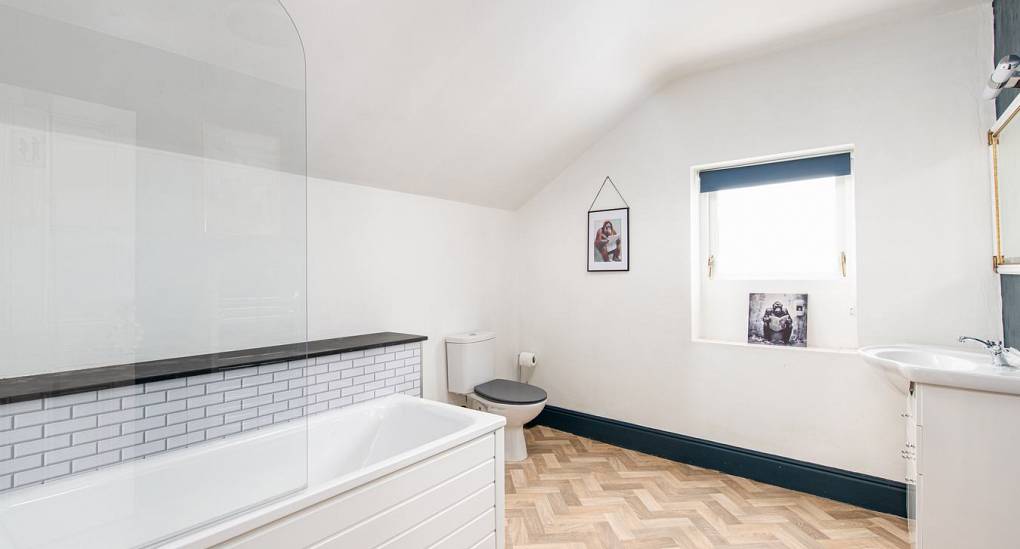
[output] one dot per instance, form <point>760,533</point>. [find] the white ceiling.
<point>479,101</point>
<point>486,101</point>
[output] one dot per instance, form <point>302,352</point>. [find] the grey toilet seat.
<point>510,392</point>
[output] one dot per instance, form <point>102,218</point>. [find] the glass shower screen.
<point>152,202</point>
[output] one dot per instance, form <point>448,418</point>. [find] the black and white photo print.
<point>777,319</point>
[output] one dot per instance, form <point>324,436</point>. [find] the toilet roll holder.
<point>526,363</point>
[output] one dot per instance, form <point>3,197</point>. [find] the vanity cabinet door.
<point>912,427</point>
<point>968,480</point>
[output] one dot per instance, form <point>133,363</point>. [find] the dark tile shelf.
<point>17,389</point>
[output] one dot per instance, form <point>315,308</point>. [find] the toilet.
<point>470,368</point>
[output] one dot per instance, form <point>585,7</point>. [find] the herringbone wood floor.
<point>575,493</point>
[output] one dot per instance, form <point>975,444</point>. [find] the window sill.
<point>823,350</point>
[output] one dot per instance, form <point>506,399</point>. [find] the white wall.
<point>387,261</point>
<point>618,344</point>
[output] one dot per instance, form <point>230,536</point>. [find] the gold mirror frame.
<point>993,143</point>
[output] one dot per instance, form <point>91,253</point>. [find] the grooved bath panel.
<point>53,437</point>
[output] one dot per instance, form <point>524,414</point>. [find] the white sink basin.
<point>942,366</point>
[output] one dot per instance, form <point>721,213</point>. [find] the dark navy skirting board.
<point>865,491</point>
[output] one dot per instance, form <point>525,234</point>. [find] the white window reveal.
<point>782,225</point>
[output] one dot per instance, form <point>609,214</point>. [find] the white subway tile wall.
<point>44,439</point>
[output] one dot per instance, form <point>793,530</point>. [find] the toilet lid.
<point>510,392</point>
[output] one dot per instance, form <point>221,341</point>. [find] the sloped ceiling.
<point>486,101</point>
<point>479,101</point>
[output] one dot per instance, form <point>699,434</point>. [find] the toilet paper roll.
<point>526,362</point>
<point>526,359</point>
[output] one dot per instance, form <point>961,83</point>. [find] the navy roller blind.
<point>814,167</point>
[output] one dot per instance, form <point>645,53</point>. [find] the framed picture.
<point>609,240</point>
<point>777,319</point>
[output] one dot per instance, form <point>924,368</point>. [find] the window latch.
<point>711,265</point>
<point>842,263</point>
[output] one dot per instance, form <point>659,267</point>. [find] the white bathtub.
<point>395,472</point>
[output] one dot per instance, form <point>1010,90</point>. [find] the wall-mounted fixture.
<point>1004,76</point>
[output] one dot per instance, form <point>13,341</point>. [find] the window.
<point>781,225</point>
<point>785,231</point>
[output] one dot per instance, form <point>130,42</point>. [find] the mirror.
<point>1004,139</point>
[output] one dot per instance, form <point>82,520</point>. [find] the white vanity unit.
<point>962,447</point>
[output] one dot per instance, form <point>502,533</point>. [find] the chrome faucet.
<point>996,348</point>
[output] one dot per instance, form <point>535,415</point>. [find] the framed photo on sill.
<point>609,240</point>
<point>777,319</point>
